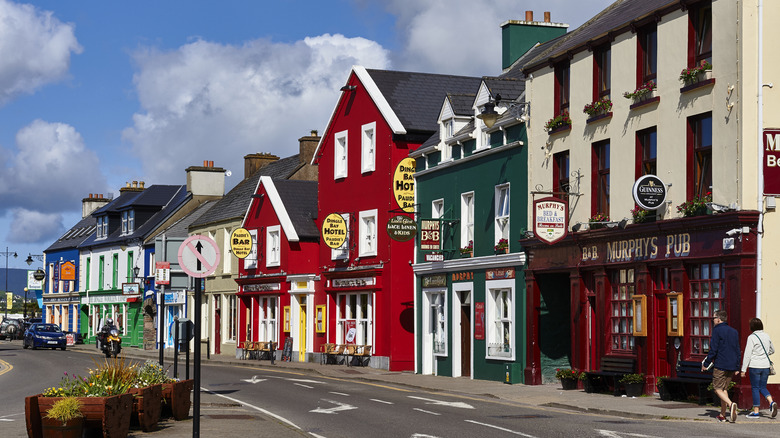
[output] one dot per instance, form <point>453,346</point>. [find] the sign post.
<point>198,257</point>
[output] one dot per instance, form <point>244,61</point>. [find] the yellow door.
<point>302,334</point>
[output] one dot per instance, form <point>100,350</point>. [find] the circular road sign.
<point>241,242</point>
<point>199,256</point>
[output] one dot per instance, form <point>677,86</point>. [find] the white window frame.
<point>362,314</point>
<point>250,261</point>
<point>466,218</point>
<point>273,246</point>
<point>437,208</point>
<point>342,252</point>
<point>227,262</point>
<point>267,318</point>
<point>233,317</point>
<point>368,233</point>
<point>368,147</point>
<point>502,212</point>
<point>102,227</point>
<point>340,154</point>
<point>500,319</point>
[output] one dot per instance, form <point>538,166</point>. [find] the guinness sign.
<point>649,192</point>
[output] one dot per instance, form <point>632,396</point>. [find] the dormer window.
<point>102,227</point>
<point>128,222</point>
<point>449,128</point>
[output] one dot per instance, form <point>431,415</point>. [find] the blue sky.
<point>95,93</point>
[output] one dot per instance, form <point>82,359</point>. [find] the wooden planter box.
<point>147,406</point>
<point>110,415</point>
<point>176,399</point>
<point>73,428</point>
<point>569,384</point>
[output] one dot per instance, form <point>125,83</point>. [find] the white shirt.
<point>754,356</point>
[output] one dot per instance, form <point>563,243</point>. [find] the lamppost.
<point>7,254</point>
<point>38,275</point>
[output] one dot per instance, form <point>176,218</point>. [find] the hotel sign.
<point>334,230</point>
<point>649,192</point>
<point>772,162</point>
<point>551,219</point>
<point>403,184</point>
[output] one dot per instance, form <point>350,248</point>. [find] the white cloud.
<point>209,101</point>
<point>51,169</point>
<point>35,49</point>
<point>33,226</point>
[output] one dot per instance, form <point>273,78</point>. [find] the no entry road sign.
<point>199,256</point>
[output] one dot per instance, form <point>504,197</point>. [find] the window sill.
<point>697,85</point>
<point>644,103</point>
<point>598,118</point>
<point>559,130</point>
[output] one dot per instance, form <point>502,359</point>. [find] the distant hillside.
<point>17,280</point>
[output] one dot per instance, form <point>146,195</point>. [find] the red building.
<point>366,274</point>
<point>277,287</point>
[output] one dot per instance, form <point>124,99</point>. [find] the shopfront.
<point>646,292</point>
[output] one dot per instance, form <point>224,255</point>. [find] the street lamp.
<point>39,275</point>
<point>7,254</point>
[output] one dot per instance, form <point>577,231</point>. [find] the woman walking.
<point>756,359</point>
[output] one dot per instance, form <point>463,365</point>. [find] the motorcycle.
<point>111,344</point>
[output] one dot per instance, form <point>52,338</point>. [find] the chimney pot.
<point>529,15</point>
<point>547,17</point>
<point>135,184</point>
<point>313,132</point>
<point>142,184</point>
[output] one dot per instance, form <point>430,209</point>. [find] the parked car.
<point>44,335</point>
<point>11,329</point>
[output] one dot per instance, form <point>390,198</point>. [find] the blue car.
<point>44,335</point>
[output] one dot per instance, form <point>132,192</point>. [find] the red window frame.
<point>706,294</point>
<point>600,178</point>
<point>562,80</point>
<point>699,155</point>
<point>646,152</point>
<point>700,33</point>
<point>561,175</point>
<point>647,55</point>
<point>621,311</point>
<point>602,61</point>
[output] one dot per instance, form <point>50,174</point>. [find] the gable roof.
<point>295,204</point>
<point>180,228</point>
<point>462,104</point>
<point>75,235</point>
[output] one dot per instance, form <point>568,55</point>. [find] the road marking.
<point>254,380</point>
<point>315,435</point>
<point>426,412</point>
<point>339,407</point>
<point>444,403</point>
<point>501,428</point>
<point>382,401</point>
<point>8,367</point>
<point>6,419</point>
<point>339,393</point>
<point>280,418</point>
<point>305,386</point>
<point>616,434</point>
<point>421,435</point>
<point>305,381</point>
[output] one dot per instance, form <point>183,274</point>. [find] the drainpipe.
<point>760,173</point>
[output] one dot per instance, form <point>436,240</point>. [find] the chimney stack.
<point>135,186</point>
<point>92,203</point>
<point>547,16</point>
<point>255,162</point>
<point>529,15</point>
<point>206,180</point>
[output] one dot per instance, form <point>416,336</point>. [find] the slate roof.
<point>180,228</point>
<point>416,98</point>
<point>508,88</point>
<point>75,235</point>
<point>617,16</point>
<point>462,104</point>
<point>300,201</point>
<point>233,205</point>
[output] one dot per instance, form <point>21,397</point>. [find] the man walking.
<point>724,355</point>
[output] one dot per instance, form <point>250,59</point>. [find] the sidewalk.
<point>549,395</point>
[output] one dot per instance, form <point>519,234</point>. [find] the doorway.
<point>554,324</point>
<point>217,324</point>
<point>302,331</point>
<point>465,336</point>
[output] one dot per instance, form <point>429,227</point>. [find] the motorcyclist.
<point>108,325</point>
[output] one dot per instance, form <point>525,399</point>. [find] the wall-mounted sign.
<point>162,273</point>
<point>500,274</point>
<point>34,283</point>
<point>241,242</point>
<point>462,276</point>
<point>401,228</point>
<point>131,288</point>
<point>334,230</point>
<point>771,162</point>
<point>479,320</point>
<point>403,184</point>
<point>262,287</point>
<point>437,280</point>
<point>551,219</point>
<point>649,192</point>
<point>68,271</point>
<point>434,257</point>
<point>352,282</point>
<point>430,234</point>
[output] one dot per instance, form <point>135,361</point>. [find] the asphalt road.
<point>244,401</point>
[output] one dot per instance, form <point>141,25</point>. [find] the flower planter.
<point>147,406</point>
<point>52,428</point>
<point>176,399</point>
<point>504,250</point>
<point>664,393</point>
<point>559,129</point>
<point>467,254</point>
<point>110,415</point>
<point>569,384</point>
<point>634,389</point>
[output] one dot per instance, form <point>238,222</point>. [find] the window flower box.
<point>643,92</point>
<point>502,247</point>
<point>559,123</point>
<point>598,108</point>
<point>695,207</point>
<point>700,73</point>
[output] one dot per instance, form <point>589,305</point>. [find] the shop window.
<point>502,212</point>
<point>368,234</point>
<point>466,219</point>
<point>601,167</point>
<point>439,323</point>
<point>353,319</point>
<point>700,34</point>
<point>368,148</point>
<point>267,318</point>
<point>250,261</point>
<point>561,175</point>
<point>706,296</point>
<point>500,315</point>
<point>273,246</point>
<point>232,318</point>
<point>647,58</point>
<point>621,311</point>
<point>699,155</point>
<point>561,96</point>
<point>602,60</point>
<point>340,155</point>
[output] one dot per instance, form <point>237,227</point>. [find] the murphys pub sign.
<point>551,219</point>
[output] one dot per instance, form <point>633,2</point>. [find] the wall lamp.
<point>520,110</point>
<point>257,196</point>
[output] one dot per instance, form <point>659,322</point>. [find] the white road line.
<point>616,434</point>
<point>304,380</point>
<point>315,435</point>
<point>339,393</point>
<point>501,428</point>
<point>282,419</point>
<point>5,419</point>
<point>431,401</point>
<point>427,412</point>
<point>382,401</point>
<point>305,386</point>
